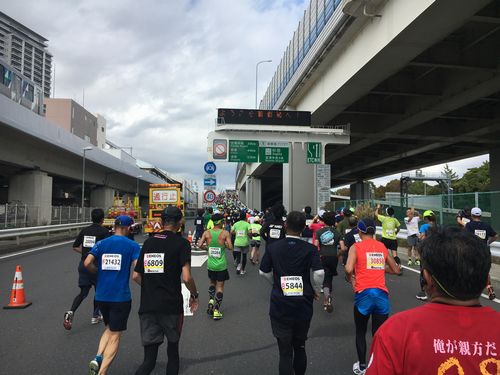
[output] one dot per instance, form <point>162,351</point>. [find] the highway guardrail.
<point>17,233</point>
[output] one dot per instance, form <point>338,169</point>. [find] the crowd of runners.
<point>302,254</point>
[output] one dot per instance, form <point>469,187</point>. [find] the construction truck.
<point>160,197</point>
<point>128,208</point>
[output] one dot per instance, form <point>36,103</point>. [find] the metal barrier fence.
<point>18,215</point>
<point>446,207</point>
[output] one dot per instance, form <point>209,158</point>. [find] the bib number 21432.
<point>111,262</point>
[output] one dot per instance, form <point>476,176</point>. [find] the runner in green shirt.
<point>216,241</point>
<point>390,230</point>
<point>241,229</point>
<point>255,241</point>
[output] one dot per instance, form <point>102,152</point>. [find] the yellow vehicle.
<point>128,208</point>
<point>160,197</point>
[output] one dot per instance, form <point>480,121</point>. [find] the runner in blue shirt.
<point>114,257</point>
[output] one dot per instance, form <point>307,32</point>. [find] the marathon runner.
<point>164,258</point>
<point>86,239</point>
<point>255,241</point>
<point>287,264</point>
<point>216,241</point>
<point>428,226</point>
<point>115,256</point>
<point>411,220</point>
<point>207,216</point>
<point>242,233</point>
<point>344,224</point>
<point>390,230</point>
<point>317,224</point>
<point>199,226</point>
<point>485,233</point>
<point>350,238</point>
<point>327,240</point>
<point>366,266</point>
<point>307,233</point>
<point>464,216</point>
<point>453,334</point>
<point>274,227</point>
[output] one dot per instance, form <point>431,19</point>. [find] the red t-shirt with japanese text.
<point>438,339</point>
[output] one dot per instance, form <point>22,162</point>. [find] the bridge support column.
<point>298,180</point>
<point>242,194</point>
<point>102,197</point>
<point>34,189</point>
<point>495,186</point>
<point>360,191</point>
<point>254,196</point>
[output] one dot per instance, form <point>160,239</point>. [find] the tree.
<point>450,173</point>
<point>475,179</point>
<point>393,186</point>
<point>346,192</point>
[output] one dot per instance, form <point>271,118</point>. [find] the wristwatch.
<point>195,295</point>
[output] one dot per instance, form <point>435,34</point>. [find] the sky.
<point>158,70</point>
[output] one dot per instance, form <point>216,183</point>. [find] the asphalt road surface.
<point>33,341</point>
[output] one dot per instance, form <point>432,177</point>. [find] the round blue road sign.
<point>210,168</point>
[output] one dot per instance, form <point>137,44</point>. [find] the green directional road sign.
<point>273,152</point>
<point>244,151</point>
<point>313,153</point>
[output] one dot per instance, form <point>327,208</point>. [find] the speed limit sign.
<point>209,196</point>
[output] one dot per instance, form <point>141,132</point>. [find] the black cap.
<point>171,213</point>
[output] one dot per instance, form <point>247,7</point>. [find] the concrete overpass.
<point>418,82</point>
<point>41,163</point>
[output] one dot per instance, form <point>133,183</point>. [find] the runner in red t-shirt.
<point>367,263</point>
<point>453,333</point>
<point>317,224</point>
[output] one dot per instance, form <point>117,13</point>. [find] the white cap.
<point>321,213</point>
<point>476,211</point>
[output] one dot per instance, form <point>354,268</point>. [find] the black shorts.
<point>115,314</point>
<point>155,326</point>
<point>390,244</point>
<point>254,243</point>
<point>290,329</point>
<point>218,275</point>
<point>85,277</point>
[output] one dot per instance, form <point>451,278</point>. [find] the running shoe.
<point>68,320</point>
<point>329,305</point>
<point>421,296</point>
<point>242,272</point>
<point>357,369</point>
<point>410,262</point>
<point>210,309</point>
<point>96,319</point>
<point>95,365</point>
<point>321,290</point>
<point>491,293</point>
<point>417,262</point>
<point>217,314</point>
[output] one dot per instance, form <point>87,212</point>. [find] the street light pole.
<point>257,77</point>
<point>85,149</point>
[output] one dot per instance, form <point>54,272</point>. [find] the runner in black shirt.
<point>86,239</point>
<point>199,227</point>
<point>307,234</point>
<point>287,264</point>
<point>274,228</point>
<point>164,258</point>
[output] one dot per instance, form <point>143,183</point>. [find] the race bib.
<point>215,252</point>
<point>327,238</point>
<point>111,262</point>
<point>308,222</point>
<point>480,233</point>
<point>240,233</point>
<point>465,220</point>
<point>357,238</point>
<point>275,233</point>
<point>292,286</point>
<point>375,261</point>
<point>154,263</point>
<point>389,232</point>
<point>198,222</point>
<point>88,241</point>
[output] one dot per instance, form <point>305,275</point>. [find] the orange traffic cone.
<point>17,298</point>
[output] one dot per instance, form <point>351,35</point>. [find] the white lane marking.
<point>198,261</point>
<point>482,294</point>
<point>34,250</point>
<point>186,295</point>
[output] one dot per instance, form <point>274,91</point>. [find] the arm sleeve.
<point>267,275</point>
<point>95,251</point>
<point>266,265</point>
<point>380,218</point>
<point>78,240</point>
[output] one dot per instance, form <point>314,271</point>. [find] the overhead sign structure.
<point>263,117</point>
<point>274,152</point>
<point>313,152</point>
<point>210,168</point>
<point>209,196</point>
<point>244,151</point>
<point>220,149</point>
<point>210,181</point>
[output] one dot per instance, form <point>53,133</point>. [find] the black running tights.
<point>293,358</point>
<point>150,355</point>
<point>241,258</point>
<point>84,292</point>
<point>361,322</point>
